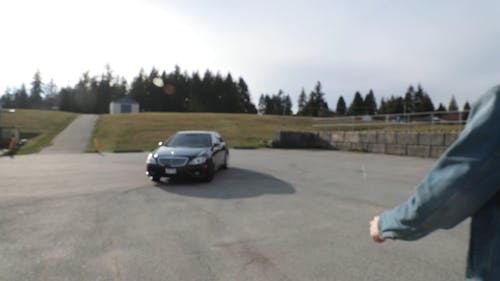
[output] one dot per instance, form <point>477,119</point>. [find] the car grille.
<point>173,161</point>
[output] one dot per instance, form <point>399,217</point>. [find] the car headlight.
<point>151,158</point>
<point>198,160</point>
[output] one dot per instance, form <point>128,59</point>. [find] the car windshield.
<point>190,140</point>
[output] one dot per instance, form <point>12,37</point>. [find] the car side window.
<point>215,140</point>
<point>219,138</point>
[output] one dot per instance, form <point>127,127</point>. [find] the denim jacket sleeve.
<point>460,182</point>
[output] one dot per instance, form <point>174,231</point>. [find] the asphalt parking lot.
<point>273,215</point>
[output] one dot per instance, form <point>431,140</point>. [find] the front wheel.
<point>210,173</point>
<point>155,178</point>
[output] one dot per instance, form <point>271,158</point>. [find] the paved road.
<point>75,138</point>
<point>274,215</point>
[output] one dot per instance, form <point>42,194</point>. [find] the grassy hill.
<point>39,126</point>
<point>144,130</point>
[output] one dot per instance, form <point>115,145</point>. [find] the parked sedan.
<point>197,154</point>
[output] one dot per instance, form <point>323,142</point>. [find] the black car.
<point>197,154</point>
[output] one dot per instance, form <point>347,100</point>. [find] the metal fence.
<point>425,121</point>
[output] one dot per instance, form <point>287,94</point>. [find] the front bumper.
<point>193,171</point>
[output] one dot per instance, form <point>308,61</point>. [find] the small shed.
<point>123,105</point>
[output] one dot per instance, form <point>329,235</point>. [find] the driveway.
<point>75,138</point>
<point>290,215</point>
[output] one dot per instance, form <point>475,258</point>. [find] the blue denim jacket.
<point>464,182</point>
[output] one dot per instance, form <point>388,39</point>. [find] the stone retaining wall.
<point>397,143</point>
<point>288,139</point>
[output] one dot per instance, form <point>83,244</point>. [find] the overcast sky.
<point>449,47</point>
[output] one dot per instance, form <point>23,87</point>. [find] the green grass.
<point>144,130</point>
<point>38,126</point>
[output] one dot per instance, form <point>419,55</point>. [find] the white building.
<point>123,105</point>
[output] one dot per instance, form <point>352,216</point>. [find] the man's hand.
<point>374,233</point>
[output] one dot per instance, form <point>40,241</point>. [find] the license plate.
<point>170,171</point>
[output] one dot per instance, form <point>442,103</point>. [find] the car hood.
<point>180,151</point>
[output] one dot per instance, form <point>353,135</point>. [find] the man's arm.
<point>461,181</point>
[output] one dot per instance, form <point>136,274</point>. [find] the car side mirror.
<point>160,143</point>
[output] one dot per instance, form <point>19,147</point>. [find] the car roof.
<point>196,132</point>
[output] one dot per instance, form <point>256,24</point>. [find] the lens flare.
<point>158,82</point>
<point>169,89</point>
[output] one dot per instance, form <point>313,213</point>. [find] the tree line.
<point>176,91</point>
<point>314,104</point>
<point>179,91</point>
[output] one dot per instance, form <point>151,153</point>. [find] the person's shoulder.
<point>487,102</point>
<point>489,97</point>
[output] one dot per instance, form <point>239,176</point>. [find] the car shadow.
<point>232,183</point>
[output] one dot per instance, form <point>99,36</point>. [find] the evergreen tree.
<point>208,94</point>
<point>164,92</point>
<point>138,89</point>
<point>301,103</point>
<point>218,89</point>
<point>176,90</point>
<point>395,105</point>
<point>67,100</point>
<point>21,99</point>
<point>7,99</point>
<point>370,104</point>
<point>383,107</point>
<point>230,101</point>
<point>398,105</point>
<point>316,104</point>
<point>341,106</point>
<point>275,105</point>
<point>244,97</point>
<point>466,106</point>
<point>36,92</point>
<point>51,99</point>
<point>418,97</point>
<point>101,91</point>
<point>427,105</point>
<point>409,100</point>
<point>84,97</point>
<point>286,103</point>
<point>195,99</point>
<point>156,97</point>
<point>441,108</point>
<point>357,105</point>
<point>466,111</point>
<point>262,104</point>
<point>279,104</point>
<point>452,106</point>
<point>422,102</point>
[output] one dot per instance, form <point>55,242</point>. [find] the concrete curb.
<point>128,151</point>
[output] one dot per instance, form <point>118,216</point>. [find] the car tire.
<point>224,166</point>
<point>155,178</point>
<point>210,173</point>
